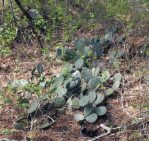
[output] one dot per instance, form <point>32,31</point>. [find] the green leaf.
<point>75,103</point>
<point>43,83</point>
<point>109,91</point>
<point>67,82</point>
<point>146,51</point>
<point>108,37</point>
<point>84,100</point>
<point>86,74</point>
<point>117,77</point>
<point>78,117</point>
<point>61,91</point>
<point>95,39</point>
<point>69,54</point>
<point>40,68</point>
<point>21,123</point>
<point>105,76</point>
<point>73,84</point>
<point>59,80</point>
<point>87,51</point>
<point>61,110</point>
<point>44,97</point>
<point>95,71</point>
<point>100,98</point>
<point>121,39</point>
<point>33,107</point>
<point>18,83</point>
<point>112,55</point>
<point>69,104</point>
<point>93,83</point>
<point>79,44</point>
<point>92,96</point>
<point>74,87</point>
<point>67,68</point>
<point>59,102</point>
<point>78,64</point>
<point>100,111</point>
<point>76,74</point>
<point>45,125</point>
<point>88,109</point>
<point>91,118</point>
<point>59,52</point>
<point>87,41</point>
<point>18,126</point>
<point>98,49</point>
<point>83,86</point>
<point>116,85</point>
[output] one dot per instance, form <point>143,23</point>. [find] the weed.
<point>5,51</point>
<point>6,131</point>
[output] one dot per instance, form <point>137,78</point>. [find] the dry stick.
<point>3,5</point>
<point>32,123</point>
<point>108,129</point>
<point>121,128</point>
<point>12,12</point>
<point>25,12</point>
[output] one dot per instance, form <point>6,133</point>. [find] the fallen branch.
<point>12,12</point>
<point>108,129</point>
<point>121,128</point>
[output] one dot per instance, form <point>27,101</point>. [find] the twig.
<point>32,123</point>
<point>3,6</point>
<point>118,129</point>
<point>12,12</point>
<point>108,129</point>
<point>51,118</point>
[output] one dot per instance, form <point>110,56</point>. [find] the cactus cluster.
<point>91,47</point>
<point>81,85</point>
<point>83,89</point>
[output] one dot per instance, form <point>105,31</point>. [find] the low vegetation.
<point>84,62</point>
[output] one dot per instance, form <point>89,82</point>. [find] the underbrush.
<point>86,83</point>
<point>96,82</point>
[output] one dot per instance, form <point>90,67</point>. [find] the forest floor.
<point>131,102</point>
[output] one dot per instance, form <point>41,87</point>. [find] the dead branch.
<point>28,16</point>
<point>121,128</point>
<point>12,12</point>
<point>109,131</point>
